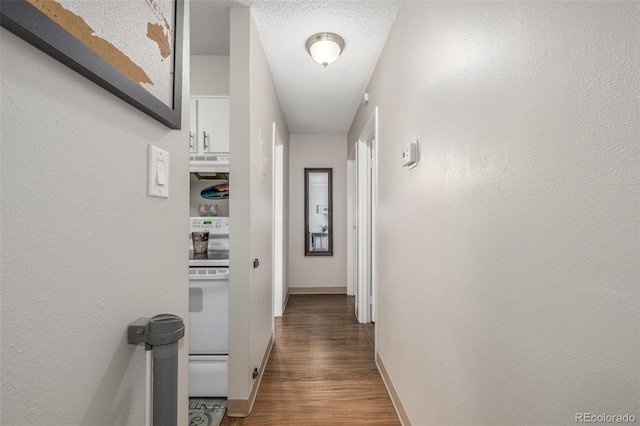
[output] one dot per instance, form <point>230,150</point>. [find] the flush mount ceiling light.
<point>325,48</point>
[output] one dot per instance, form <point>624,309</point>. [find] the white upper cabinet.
<point>193,127</point>
<point>210,124</point>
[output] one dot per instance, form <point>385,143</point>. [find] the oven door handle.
<point>220,276</point>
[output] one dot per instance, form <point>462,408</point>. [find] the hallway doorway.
<point>362,241</point>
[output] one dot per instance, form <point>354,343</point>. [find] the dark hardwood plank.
<point>321,370</point>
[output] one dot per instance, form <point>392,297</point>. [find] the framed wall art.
<point>132,48</point>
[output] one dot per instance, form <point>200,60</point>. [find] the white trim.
<point>393,394</point>
<point>366,164</point>
<point>374,224</point>
<point>317,290</point>
<point>352,259</point>
<point>243,407</point>
<point>363,280</point>
<point>278,222</point>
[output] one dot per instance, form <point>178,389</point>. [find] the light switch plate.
<point>410,155</point>
<point>158,172</point>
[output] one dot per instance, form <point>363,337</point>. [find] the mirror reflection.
<point>318,185</point>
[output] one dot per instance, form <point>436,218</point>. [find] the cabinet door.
<point>213,125</point>
<point>193,127</point>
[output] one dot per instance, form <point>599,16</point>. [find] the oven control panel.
<point>214,225</point>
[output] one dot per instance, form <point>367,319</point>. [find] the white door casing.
<point>352,259</point>
<point>366,206</point>
<point>278,223</point>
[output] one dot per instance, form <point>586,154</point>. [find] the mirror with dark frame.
<point>318,209</point>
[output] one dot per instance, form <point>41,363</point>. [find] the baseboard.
<point>318,290</point>
<point>286,300</point>
<point>242,407</point>
<point>395,399</point>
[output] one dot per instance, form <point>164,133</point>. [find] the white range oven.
<point>209,310</point>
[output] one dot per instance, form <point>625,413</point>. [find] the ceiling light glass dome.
<point>325,48</point>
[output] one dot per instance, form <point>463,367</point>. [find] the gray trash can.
<point>161,334</point>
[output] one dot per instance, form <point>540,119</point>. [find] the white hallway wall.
<point>509,257</point>
<point>84,250</point>
<point>254,108</point>
<point>318,271</point>
<point>209,75</point>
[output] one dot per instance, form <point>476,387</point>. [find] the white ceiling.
<point>315,100</point>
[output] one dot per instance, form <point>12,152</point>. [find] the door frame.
<point>278,222</point>
<point>367,217</point>
<point>352,254</point>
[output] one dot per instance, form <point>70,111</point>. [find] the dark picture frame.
<point>311,234</point>
<point>28,23</point>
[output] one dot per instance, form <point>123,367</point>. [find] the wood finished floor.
<point>321,370</point>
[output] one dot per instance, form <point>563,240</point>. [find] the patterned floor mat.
<point>206,411</point>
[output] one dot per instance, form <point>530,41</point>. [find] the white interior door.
<point>278,223</point>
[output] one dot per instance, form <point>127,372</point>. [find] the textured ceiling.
<point>315,100</point>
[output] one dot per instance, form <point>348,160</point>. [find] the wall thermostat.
<point>410,156</point>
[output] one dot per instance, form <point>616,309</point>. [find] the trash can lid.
<point>165,329</point>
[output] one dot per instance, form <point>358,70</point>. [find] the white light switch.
<point>158,172</point>
<point>410,156</point>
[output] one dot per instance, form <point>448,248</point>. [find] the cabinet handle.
<point>191,138</point>
<point>206,140</point>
